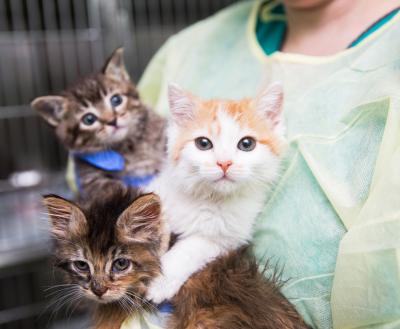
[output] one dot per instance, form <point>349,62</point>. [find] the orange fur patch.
<point>242,111</point>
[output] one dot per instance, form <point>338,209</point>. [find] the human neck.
<point>330,27</point>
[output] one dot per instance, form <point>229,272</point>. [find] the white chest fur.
<point>206,227</point>
<point>227,222</point>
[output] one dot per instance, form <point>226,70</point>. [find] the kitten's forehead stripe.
<point>102,218</point>
<point>90,89</point>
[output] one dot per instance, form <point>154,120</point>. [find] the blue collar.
<point>113,161</point>
<point>165,307</point>
<point>107,160</point>
<point>137,181</point>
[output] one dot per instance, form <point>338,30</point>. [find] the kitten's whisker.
<point>56,297</point>
<point>59,285</point>
<point>126,302</point>
<point>64,295</point>
<point>56,293</point>
<point>63,301</point>
<point>133,307</point>
<point>56,304</point>
<point>141,299</point>
<point>123,305</point>
<point>78,299</point>
<point>73,304</point>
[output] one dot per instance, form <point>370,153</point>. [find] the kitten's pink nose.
<point>224,165</point>
<point>98,289</point>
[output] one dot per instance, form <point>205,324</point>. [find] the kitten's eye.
<point>116,100</point>
<point>247,144</point>
<point>81,266</point>
<point>89,119</point>
<point>203,143</point>
<point>120,264</point>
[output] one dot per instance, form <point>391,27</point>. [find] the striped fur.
<point>130,128</point>
<point>99,233</point>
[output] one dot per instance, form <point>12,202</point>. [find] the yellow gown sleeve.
<point>366,287</point>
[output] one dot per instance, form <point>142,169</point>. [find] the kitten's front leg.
<point>186,257</point>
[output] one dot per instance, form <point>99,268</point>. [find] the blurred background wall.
<point>44,46</point>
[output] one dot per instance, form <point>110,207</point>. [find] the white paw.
<point>163,288</point>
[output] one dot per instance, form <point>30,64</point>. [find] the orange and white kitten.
<point>222,156</point>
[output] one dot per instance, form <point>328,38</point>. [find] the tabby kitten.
<point>109,250</point>
<point>113,138</point>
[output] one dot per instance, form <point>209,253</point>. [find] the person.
<point>333,220</point>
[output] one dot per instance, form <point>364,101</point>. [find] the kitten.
<point>109,251</point>
<point>222,156</point>
<point>113,138</point>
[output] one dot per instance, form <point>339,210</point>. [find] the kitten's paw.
<point>163,288</point>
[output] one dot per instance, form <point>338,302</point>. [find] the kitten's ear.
<point>141,221</point>
<point>66,218</point>
<point>115,66</point>
<point>51,108</point>
<point>181,103</point>
<point>269,104</point>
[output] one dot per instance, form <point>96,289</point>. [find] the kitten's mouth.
<point>104,299</point>
<point>115,128</point>
<point>118,131</point>
<point>224,178</point>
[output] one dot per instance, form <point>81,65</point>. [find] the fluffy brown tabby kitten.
<point>103,112</point>
<point>111,250</point>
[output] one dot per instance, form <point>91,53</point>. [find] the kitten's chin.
<point>222,187</point>
<point>105,299</point>
<point>118,134</point>
<point>101,300</point>
<point>229,186</point>
<point>226,189</point>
